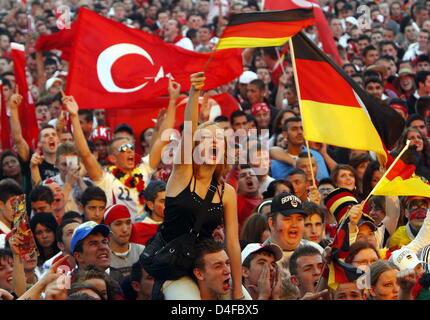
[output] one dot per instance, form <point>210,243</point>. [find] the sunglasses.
<point>125,147</point>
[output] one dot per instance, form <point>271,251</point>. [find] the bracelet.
<point>241,298</point>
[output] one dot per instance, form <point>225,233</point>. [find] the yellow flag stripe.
<point>343,126</point>
<point>245,42</point>
<point>398,187</point>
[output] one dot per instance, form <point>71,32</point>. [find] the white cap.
<point>256,247</point>
<point>405,259</point>
<point>352,20</point>
<point>51,81</point>
<point>247,77</point>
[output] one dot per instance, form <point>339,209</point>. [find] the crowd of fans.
<point>95,194</point>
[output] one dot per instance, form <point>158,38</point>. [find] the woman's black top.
<point>180,214</point>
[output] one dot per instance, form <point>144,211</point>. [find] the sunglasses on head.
<point>125,147</point>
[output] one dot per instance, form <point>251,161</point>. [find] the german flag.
<point>335,109</point>
<point>264,29</point>
<point>401,179</point>
<point>338,270</point>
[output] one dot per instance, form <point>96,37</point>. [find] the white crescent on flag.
<point>107,58</point>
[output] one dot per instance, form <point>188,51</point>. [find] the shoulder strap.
<point>204,208</point>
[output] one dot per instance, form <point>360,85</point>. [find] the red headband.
<point>399,106</point>
<point>259,107</point>
<point>115,212</point>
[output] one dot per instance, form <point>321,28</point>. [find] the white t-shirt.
<point>118,193</point>
<point>185,43</point>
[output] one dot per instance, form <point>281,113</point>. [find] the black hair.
<point>412,118</point>
<point>60,228</point>
<point>292,119</point>
<point>9,188</point>
<point>326,181</point>
<point>7,153</point>
<point>422,104</point>
<point>421,76</point>
<point>259,84</point>
<point>297,171</point>
<point>93,193</point>
<point>235,114</point>
<point>220,118</point>
<point>367,176</point>
<point>301,251</point>
<point>47,220</point>
<point>78,286</point>
<point>88,114</point>
<point>42,193</point>
<point>367,49</point>
<point>123,127</point>
<point>70,215</point>
<point>271,188</point>
<point>5,253</point>
<point>372,79</point>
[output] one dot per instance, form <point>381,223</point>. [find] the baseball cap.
<point>247,77</point>
<point>352,20</point>
<point>366,222</point>
<point>101,133</point>
<point>405,259</point>
<point>85,229</point>
<point>258,247</point>
<point>287,204</point>
<point>115,212</point>
<point>50,82</point>
<point>153,188</point>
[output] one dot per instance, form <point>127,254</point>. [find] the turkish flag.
<point>61,40</point>
<point>27,111</point>
<point>115,66</point>
<point>6,137</point>
<point>324,31</point>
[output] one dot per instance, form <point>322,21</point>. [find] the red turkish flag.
<point>61,40</point>
<point>6,137</point>
<point>114,66</point>
<point>27,111</point>
<point>324,31</point>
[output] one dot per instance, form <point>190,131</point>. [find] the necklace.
<point>132,180</point>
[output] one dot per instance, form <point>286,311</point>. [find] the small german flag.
<point>335,109</point>
<point>264,29</point>
<point>338,270</point>
<point>401,180</point>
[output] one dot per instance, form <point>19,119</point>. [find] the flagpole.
<point>386,172</point>
<point>368,197</point>
<point>296,80</point>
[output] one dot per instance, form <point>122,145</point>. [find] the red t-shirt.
<point>245,207</point>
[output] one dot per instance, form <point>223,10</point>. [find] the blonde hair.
<point>221,168</point>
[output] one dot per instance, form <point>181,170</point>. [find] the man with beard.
<point>416,211</point>
<point>123,253</point>
<point>261,274</point>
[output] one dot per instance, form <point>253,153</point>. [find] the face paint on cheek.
<point>418,214</point>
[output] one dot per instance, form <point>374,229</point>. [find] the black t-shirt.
<point>47,170</point>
